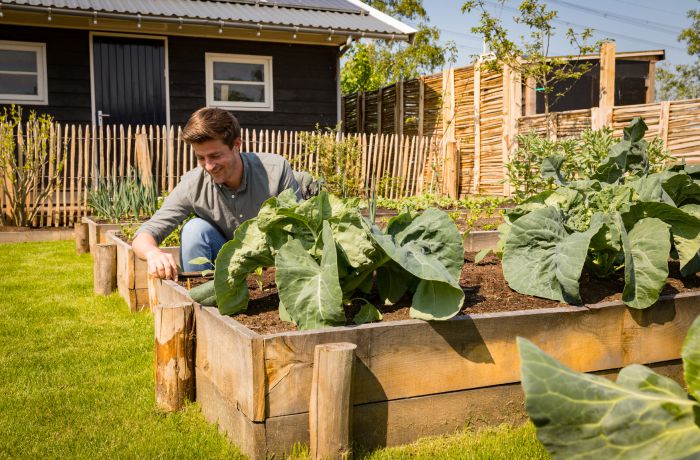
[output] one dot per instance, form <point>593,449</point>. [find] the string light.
<point>138,24</point>
<point>221,27</point>
<point>179,26</point>
<point>1,13</point>
<point>296,29</point>
<point>330,36</point>
<point>94,17</point>
<point>49,18</point>
<point>258,33</point>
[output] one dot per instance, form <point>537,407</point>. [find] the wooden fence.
<point>476,116</point>
<point>398,165</point>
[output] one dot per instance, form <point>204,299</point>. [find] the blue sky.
<point>635,25</point>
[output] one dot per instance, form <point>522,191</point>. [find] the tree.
<point>553,76</point>
<point>374,64</point>
<point>683,80</point>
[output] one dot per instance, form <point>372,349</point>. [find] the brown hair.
<point>208,124</point>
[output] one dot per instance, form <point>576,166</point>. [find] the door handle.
<point>100,117</point>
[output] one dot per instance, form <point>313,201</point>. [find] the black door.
<point>129,80</point>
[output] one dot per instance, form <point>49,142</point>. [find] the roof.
<point>344,17</point>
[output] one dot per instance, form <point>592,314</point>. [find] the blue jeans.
<point>199,238</point>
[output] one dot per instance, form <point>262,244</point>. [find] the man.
<point>227,188</point>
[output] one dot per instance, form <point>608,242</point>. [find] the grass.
<point>77,377</point>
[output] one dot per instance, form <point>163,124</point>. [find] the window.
<point>23,73</point>
<point>240,82</point>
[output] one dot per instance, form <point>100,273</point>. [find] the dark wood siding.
<point>67,67</point>
<point>303,79</point>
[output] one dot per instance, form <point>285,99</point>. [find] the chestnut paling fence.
<point>399,165</point>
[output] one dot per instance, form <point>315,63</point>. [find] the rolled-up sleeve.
<point>176,207</point>
<point>287,180</point>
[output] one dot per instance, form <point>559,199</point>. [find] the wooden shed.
<point>275,64</point>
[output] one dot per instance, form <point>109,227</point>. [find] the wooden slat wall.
<point>91,153</point>
<point>464,125</point>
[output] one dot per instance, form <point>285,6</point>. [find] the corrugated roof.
<point>294,13</point>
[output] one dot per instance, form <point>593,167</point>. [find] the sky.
<point>635,25</point>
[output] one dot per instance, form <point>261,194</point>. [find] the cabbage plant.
<point>624,218</point>
<point>326,255</point>
<point>642,415</point>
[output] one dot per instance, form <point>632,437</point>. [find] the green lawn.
<point>77,376</point>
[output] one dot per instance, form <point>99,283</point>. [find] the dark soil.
<point>485,289</point>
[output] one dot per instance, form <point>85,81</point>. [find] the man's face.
<point>218,159</point>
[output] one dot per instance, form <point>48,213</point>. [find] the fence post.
<point>512,107</point>
<point>663,122</point>
<point>143,157</point>
<point>476,176</point>
<point>449,153</point>
<point>105,268</point>
<point>606,95</point>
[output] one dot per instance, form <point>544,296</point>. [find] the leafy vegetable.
<point>642,415</point>
<point>624,218</point>
<point>325,254</point>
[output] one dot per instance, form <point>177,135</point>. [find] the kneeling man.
<point>227,188</point>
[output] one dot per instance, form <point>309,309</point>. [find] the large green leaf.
<point>237,258</point>
<point>310,291</point>
<point>430,248</point>
<point>646,249</point>
<point>691,359</point>
<point>392,282</point>
<point>550,168</point>
<point>682,188</point>
<point>584,416</point>
<point>685,227</point>
<point>540,258</point>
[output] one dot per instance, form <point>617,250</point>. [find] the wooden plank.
<point>398,422</point>
<point>218,409</point>
<point>231,357</point>
<point>402,359</point>
<point>606,100</point>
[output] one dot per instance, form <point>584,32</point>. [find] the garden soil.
<point>485,289</point>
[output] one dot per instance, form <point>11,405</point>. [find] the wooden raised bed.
<point>89,233</point>
<point>412,378</point>
<point>132,272</point>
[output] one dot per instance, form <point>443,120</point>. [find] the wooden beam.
<point>651,82</point>
<point>330,406</point>
<point>606,98</point>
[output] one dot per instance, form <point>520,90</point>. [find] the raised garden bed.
<point>414,378</point>
<point>90,232</point>
<point>132,272</point>
<point>26,235</point>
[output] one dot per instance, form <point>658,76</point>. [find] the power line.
<point>628,19</point>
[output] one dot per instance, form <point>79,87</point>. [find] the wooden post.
<point>663,122</point>
<point>606,97</point>
<point>476,177</point>
<point>651,82</point>
<point>530,97</point>
<point>421,105</point>
<point>143,158</point>
<point>105,268</point>
<point>398,109</point>
<point>450,155</point>
<point>330,409</point>
<point>380,95</point>
<point>82,238</point>
<point>512,108</point>
<point>174,355</point>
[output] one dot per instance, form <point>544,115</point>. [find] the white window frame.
<point>266,61</point>
<point>42,98</point>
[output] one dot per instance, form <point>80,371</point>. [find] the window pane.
<point>238,71</point>
<point>19,61</point>
<point>239,93</point>
<point>18,84</point>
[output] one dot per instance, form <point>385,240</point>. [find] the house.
<point>273,63</point>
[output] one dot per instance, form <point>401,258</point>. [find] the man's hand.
<point>161,265</point>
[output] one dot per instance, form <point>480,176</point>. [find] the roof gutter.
<point>203,22</point>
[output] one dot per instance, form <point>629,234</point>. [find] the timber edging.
<point>37,235</point>
<point>414,378</point>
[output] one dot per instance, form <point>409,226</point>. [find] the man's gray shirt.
<point>264,175</point>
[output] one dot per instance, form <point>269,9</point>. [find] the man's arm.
<point>287,180</point>
<point>160,264</point>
